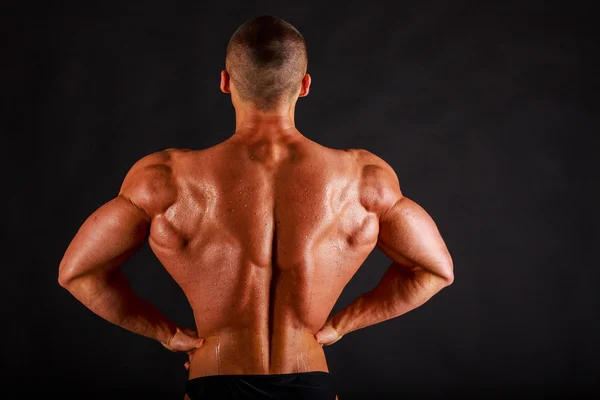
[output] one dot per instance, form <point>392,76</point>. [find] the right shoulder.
<point>379,185</point>
<point>150,184</point>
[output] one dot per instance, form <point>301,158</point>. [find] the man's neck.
<point>273,123</point>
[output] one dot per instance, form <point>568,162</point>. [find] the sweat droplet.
<point>218,351</point>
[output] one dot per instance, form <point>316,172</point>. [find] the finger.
<point>190,332</point>
<point>329,335</point>
<point>323,337</point>
<point>186,365</point>
<point>337,339</point>
<point>167,347</point>
<point>193,344</point>
<point>318,337</point>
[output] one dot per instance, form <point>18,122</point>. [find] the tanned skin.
<point>262,232</point>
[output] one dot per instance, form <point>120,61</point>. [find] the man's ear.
<point>225,81</point>
<point>305,88</point>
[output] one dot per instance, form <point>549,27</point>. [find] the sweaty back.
<point>262,235</point>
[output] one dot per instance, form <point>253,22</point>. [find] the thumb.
<point>326,335</point>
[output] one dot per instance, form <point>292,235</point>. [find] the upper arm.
<point>407,233</point>
<point>409,236</point>
<point>117,229</point>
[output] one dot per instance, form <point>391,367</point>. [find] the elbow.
<point>64,280</point>
<point>64,283</point>
<point>74,278</point>
<point>448,272</point>
<point>66,276</point>
<point>444,271</point>
<point>449,279</point>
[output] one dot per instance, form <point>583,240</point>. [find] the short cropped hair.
<point>266,60</point>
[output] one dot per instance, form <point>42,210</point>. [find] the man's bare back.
<point>262,235</point>
<point>262,232</point>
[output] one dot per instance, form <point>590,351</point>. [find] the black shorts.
<point>315,385</point>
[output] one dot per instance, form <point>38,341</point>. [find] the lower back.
<point>244,351</point>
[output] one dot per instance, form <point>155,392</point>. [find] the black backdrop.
<point>478,107</point>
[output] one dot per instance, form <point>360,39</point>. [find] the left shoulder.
<point>150,183</point>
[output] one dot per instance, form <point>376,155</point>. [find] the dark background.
<point>478,107</point>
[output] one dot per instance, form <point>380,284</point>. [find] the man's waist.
<point>249,352</point>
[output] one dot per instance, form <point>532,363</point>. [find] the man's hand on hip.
<point>184,340</point>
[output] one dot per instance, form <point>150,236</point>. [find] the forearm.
<point>111,297</point>
<point>400,290</point>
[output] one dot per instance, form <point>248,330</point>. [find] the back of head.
<point>266,60</point>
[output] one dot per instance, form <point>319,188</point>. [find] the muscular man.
<point>262,232</point>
